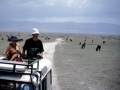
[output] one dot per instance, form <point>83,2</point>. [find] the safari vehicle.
<point>36,75</point>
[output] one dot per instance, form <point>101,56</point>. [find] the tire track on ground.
<point>49,49</point>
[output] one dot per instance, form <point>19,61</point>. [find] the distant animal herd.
<point>98,47</point>
<point>20,39</point>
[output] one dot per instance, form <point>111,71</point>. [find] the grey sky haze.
<point>81,11</point>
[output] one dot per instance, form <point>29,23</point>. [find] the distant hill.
<point>62,27</point>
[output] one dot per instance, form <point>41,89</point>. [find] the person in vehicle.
<point>12,50</point>
<point>33,46</point>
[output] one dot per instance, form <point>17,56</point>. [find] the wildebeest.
<point>8,37</point>
<point>104,42</point>
<point>1,38</point>
<point>98,48</point>
<point>71,40</point>
<point>83,46</point>
<point>20,40</point>
<point>47,38</point>
<point>84,43</point>
<point>79,43</point>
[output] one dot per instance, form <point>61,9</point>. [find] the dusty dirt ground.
<point>49,50</point>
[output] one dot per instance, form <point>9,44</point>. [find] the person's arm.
<point>41,53</point>
<point>14,55</point>
<point>23,53</point>
<point>6,51</point>
<point>24,48</point>
<point>18,49</point>
<point>41,49</point>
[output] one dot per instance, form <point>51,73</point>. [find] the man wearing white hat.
<point>33,46</point>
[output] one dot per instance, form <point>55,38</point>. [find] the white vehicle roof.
<point>44,68</point>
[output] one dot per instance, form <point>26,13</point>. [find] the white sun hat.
<point>35,31</point>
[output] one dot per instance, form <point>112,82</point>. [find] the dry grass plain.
<point>82,69</point>
<point>88,69</point>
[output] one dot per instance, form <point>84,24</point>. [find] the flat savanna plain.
<point>82,69</point>
<point>88,69</point>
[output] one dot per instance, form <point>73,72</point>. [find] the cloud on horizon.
<point>61,11</point>
<point>55,11</point>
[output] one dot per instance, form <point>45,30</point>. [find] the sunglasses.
<point>14,40</point>
<point>36,34</point>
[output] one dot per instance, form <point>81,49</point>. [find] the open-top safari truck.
<point>29,75</point>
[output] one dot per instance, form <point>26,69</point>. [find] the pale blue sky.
<point>81,11</point>
<point>61,10</point>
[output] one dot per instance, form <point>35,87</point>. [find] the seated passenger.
<point>33,46</point>
<point>13,49</point>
